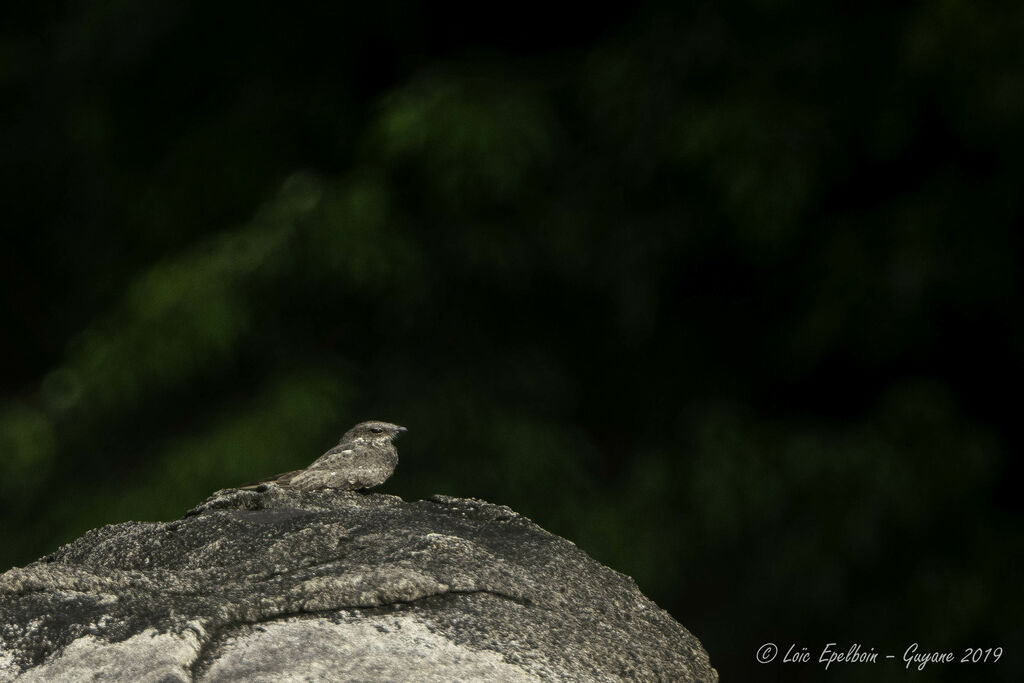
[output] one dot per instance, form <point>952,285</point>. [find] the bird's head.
<point>373,431</point>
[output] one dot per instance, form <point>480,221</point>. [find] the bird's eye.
<point>376,430</point>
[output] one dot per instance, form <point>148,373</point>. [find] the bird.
<point>364,457</point>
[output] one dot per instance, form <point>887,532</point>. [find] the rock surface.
<point>277,584</point>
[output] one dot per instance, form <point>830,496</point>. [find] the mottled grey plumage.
<point>364,458</point>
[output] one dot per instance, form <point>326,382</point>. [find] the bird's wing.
<point>331,457</point>
<point>344,449</point>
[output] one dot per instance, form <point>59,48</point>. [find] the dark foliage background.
<point>727,293</point>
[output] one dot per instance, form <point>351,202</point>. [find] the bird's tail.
<point>282,478</point>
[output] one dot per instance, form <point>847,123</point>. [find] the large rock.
<point>278,585</point>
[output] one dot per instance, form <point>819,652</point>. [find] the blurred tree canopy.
<point>723,292</point>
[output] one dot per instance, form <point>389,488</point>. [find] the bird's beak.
<point>401,429</point>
